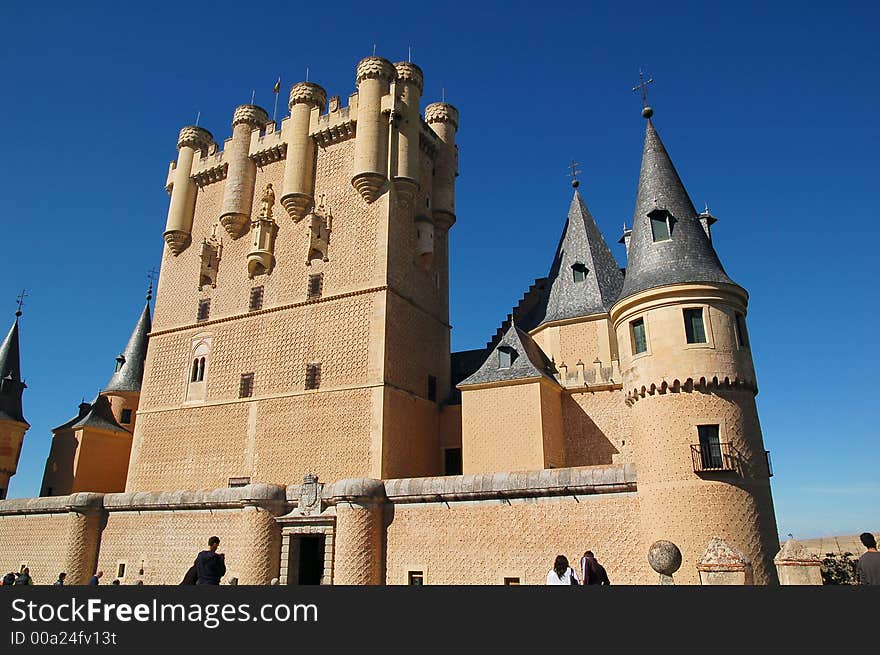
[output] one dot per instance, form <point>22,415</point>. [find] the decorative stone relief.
<point>310,495</point>
<point>261,258</point>
<point>212,251</point>
<point>320,227</point>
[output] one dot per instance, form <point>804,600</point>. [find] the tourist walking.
<point>210,565</point>
<point>60,581</point>
<point>9,579</point>
<point>868,567</point>
<point>93,581</point>
<point>562,573</point>
<point>24,578</point>
<point>593,573</point>
<point>190,576</point>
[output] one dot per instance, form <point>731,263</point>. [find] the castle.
<point>295,393</point>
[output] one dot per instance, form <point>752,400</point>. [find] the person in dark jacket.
<point>9,579</point>
<point>24,578</point>
<point>191,576</point>
<point>592,572</point>
<point>60,581</point>
<point>93,581</point>
<point>210,565</point>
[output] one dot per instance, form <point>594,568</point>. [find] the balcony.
<point>715,458</point>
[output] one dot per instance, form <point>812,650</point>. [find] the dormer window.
<point>119,362</point>
<point>578,272</point>
<point>661,225</point>
<point>506,356</point>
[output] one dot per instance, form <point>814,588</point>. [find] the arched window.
<point>578,272</point>
<point>196,389</point>
<point>201,369</point>
<point>195,371</point>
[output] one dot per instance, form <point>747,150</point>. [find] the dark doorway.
<point>305,564</point>
<point>452,461</point>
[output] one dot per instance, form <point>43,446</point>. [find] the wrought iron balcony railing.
<point>714,458</point>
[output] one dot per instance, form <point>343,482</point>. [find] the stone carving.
<point>320,227</point>
<point>310,495</point>
<point>665,558</point>
<point>261,257</point>
<point>212,251</point>
<point>375,68</point>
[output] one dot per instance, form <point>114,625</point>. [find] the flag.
<point>277,86</point>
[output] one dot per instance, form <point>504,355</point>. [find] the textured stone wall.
<point>102,461</point>
<point>359,544</point>
<point>689,509</point>
<point>552,426</point>
<point>502,429</point>
<point>411,442</point>
<point>482,542</point>
<point>597,428</point>
<point>40,540</point>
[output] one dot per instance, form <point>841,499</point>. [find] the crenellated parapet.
<point>410,73</point>
<point>178,228</point>
<point>238,195</point>
<point>375,68</point>
<point>298,194</point>
<point>441,112</point>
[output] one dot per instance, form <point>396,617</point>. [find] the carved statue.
<point>267,202</point>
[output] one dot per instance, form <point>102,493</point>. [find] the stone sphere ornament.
<point>664,557</point>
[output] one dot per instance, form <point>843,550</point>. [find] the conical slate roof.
<point>130,375</point>
<point>84,408</point>
<point>595,286</point>
<point>527,361</point>
<point>688,256</point>
<point>11,386</point>
<point>100,416</point>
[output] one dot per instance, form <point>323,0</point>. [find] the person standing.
<point>210,565</point>
<point>93,581</point>
<point>9,579</point>
<point>24,578</point>
<point>562,573</point>
<point>868,567</point>
<point>60,581</point>
<point>593,573</point>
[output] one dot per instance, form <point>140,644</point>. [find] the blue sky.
<point>767,109</point>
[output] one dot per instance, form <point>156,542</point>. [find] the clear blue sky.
<point>769,112</point>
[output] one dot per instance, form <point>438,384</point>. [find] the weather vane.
<point>642,86</point>
<point>573,172</point>
<point>20,301</point>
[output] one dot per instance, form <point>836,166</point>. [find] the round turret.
<point>441,112</point>
<point>195,137</point>
<point>443,119</point>
<point>241,176</point>
<point>307,93</point>
<point>252,115</point>
<point>298,191</point>
<point>410,73</point>
<point>375,68</point>
<point>183,191</point>
<point>374,77</point>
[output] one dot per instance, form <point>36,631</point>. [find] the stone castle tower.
<point>12,422</point>
<point>277,325</point>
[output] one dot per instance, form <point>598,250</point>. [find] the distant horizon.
<point>777,137</point>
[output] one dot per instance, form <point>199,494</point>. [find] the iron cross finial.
<point>573,172</point>
<point>20,301</point>
<point>642,86</point>
<point>152,275</point>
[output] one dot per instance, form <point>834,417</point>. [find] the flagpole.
<point>276,89</point>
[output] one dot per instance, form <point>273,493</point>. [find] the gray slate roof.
<point>529,362</point>
<point>130,376</point>
<point>100,416</point>
<point>84,409</point>
<point>688,256</point>
<point>582,243</point>
<point>11,386</point>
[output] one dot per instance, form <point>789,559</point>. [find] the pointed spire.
<point>685,254</point>
<point>11,386</point>
<point>99,416</point>
<point>584,278</point>
<point>130,364</point>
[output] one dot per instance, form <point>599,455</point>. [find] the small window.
<point>313,375</point>
<point>120,361</point>
<point>198,370</point>
<point>452,461</point>
<point>120,570</point>
<point>694,329</point>
<point>432,388</point>
<point>126,416</point>
<point>201,374</point>
<point>661,224</point>
<point>256,300</point>
<point>639,339</point>
<point>316,285</point>
<point>578,272</point>
<point>742,337</point>
<point>506,355</point>
<point>3,493</point>
<point>246,386</point>
<point>239,482</point>
<point>710,447</point>
<point>204,309</point>
<point>416,578</point>
<point>511,582</point>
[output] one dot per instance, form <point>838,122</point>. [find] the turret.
<point>443,119</point>
<point>178,229</point>
<point>238,195</point>
<point>689,381</point>
<point>374,77</point>
<point>261,257</point>
<point>410,83</point>
<point>12,422</point>
<point>299,169</point>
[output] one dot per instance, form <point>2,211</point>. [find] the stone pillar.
<point>409,86</point>
<point>796,565</point>
<point>85,521</point>
<point>238,194</point>
<point>260,557</point>
<point>722,564</point>
<point>298,193</point>
<point>178,228</point>
<point>360,557</point>
<point>374,76</point>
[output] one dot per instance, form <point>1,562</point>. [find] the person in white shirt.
<point>562,573</point>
